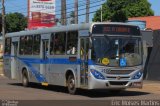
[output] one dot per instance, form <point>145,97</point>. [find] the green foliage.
<point>15,22</point>
<point>121,10</point>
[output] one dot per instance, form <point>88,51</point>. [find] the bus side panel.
<point>7,66</point>
<point>18,70</point>
<point>57,73</point>
<point>31,76</point>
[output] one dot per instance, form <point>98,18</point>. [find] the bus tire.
<point>71,84</point>
<point>25,80</point>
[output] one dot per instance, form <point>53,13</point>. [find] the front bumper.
<point>114,83</point>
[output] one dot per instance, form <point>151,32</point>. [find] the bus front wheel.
<point>71,84</point>
<point>25,80</point>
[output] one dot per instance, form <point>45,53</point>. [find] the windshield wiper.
<point>108,40</point>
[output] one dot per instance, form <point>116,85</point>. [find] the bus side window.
<point>29,45</point>
<point>26,43</point>
<point>52,44</point>
<point>36,44</point>
<point>59,43</point>
<point>84,48</point>
<point>22,45</point>
<point>72,42</point>
<point>7,46</point>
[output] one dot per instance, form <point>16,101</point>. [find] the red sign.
<point>41,13</point>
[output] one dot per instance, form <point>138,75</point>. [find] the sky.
<point>21,6</point>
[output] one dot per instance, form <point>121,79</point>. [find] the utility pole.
<point>63,12</point>
<point>3,19</point>
<point>76,12</point>
<point>3,28</point>
<point>101,13</point>
<point>87,10</point>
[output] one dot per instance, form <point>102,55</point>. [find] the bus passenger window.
<point>72,41</point>
<point>29,44</point>
<point>26,43</point>
<point>7,46</point>
<point>52,44</point>
<point>22,45</point>
<point>59,43</point>
<point>60,50</point>
<point>36,44</point>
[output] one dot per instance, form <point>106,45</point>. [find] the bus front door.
<point>84,47</point>
<point>14,63</point>
<point>44,56</point>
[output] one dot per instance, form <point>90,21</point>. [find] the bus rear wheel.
<point>71,84</point>
<point>25,80</point>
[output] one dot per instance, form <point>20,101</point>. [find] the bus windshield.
<point>117,51</point>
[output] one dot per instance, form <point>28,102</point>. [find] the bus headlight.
<point>97,74</point>
<point>137,75</point>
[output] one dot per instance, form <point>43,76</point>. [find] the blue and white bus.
<point>87,56</point>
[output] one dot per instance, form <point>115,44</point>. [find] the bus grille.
<point>119,71</point>
<point>118,83</point>
<point>115,77</point>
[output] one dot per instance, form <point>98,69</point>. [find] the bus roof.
<point>49,30</point>
<point>72,27</point>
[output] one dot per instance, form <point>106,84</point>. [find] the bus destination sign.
<point>115,29</point>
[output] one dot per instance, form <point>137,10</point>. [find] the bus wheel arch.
<point>25,77</point>
<point>70,82</point>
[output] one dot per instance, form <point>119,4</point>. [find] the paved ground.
<point>12,90</point>
<point>1,67</point>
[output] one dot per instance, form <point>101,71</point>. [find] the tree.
<point>15,22</point>
<point>121,10</point>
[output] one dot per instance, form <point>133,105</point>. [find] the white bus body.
<point>75,56</point>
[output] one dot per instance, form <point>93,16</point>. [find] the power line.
<point>87,10</point>
<point>75,16</point>
<point>66,4</point>
<point>82,5</point>
<point>63,13</point>
<point>70,7</point>
<point>78,9</point>
<point>56,5</point>
<point>70,17</point>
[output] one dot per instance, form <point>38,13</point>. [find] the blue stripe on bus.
<point>51,60</point>
<point>36,73</point>
<point>40,78</point>
<point>55,61</point>
<point>9,56</point>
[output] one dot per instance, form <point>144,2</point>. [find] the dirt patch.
<point>1,68</point>
<point>150,87</point>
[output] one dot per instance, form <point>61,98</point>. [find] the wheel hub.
<point>72,84</point>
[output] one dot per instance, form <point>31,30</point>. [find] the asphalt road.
<point>12,90</point>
